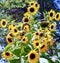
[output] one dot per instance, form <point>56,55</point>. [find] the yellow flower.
<point>33,56</point>
<point>41,34</point>
<point>32,3</point>
<point>47,31</point>
<point>14,31</point>
<point>57,17</point>
<point>26,27</point>
<point>36,43</point>
<point>35,4</point>
<point>7,55</point>
<point>52,27</point>
<point>10,34</point>
<point>27,14</point>
<point>51,43</point>
<point>20,34</point>
<point>32,10</point>
<point>44,48</point>
<point>44,45</point>
<point>9,40</point>
<point>37,34</point>
<point>26,19</point>
<point>11,27</point>
<point>24,40</point>
<point>3,23</point>
<point>51,14</point>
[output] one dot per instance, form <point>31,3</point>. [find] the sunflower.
<point>36,43</point>
<point>44,48</point>
<point>32,10</point>
<point>26,27</point>
<point>51,43</point>
<point>14,31</point>
<point>9,40</point>
<point>3,23</point>
<point>41,34</point>
<point>32,3</point>
<point>27,14</point>
<point>11,27</point>
<point>52,27</point>
<point>51,14</point>
<point>10,34</point>
<point>26,19</point>
<point>33,56</point>
<point>37,34</point>
<point>20,34</point>
<point>7,55</point>
<point>57,17</point>
<point>35,4</point>
<point>24,40</point>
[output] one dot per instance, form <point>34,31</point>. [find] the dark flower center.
<point>7,53</point>
<point>36,33</point>
<point>9,39</point>
<point>43,46</point>
<point>31,9</point>
<point>57,16</point>
<point>11,35</point>
<point>32,4</point>
<point>37,44</point>
<point>52,27</point>
<point>24,39</point>
<point>36,5</point>
<point>32,56</point>
<point>51,14</point>
<point>4,23</point>
<point>15,30</point>
<point>26,20</point>
<point>23,33</point>
<point>41,34</point>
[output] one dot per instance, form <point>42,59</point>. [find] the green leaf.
<point>17,52</point>
<point>7,47</point>
<point>15,61</point>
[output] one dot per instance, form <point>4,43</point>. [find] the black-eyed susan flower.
<point>9,40</point>
<point>26,19</point>
<point>10,27</point>
<point>57,17</point>
<point>32,10</point>
<point>26,27</point>
<point>36,43</point>
<point>7,55</point>
<point>33,56</point>
<point>3,23</point>
<point>14,31</point>
<point>51,14</point>
<point>24,40</point>
<point>52,27</point>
